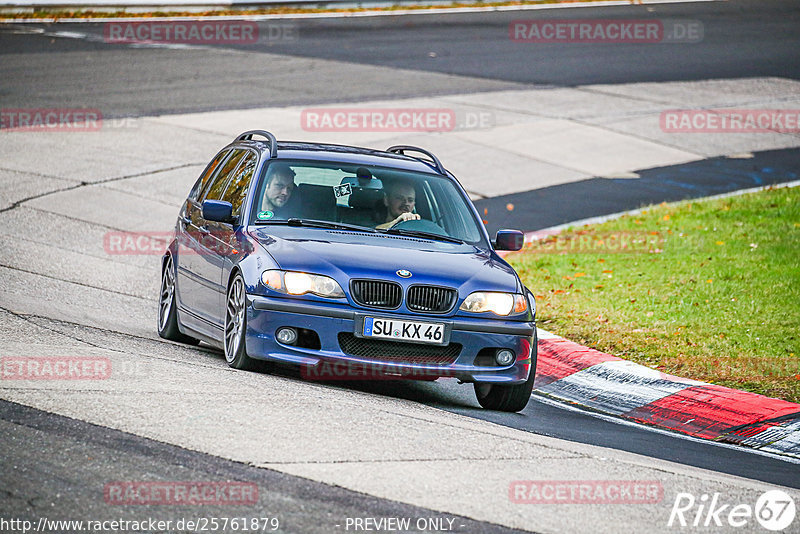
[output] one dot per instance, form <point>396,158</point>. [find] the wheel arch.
<point>236,269</point>
<point>169,252</point>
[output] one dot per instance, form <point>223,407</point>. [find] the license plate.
<point>403,330</point>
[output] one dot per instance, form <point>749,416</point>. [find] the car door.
<point>214,244</point>
<point>229,244</point>
<point>188,232</point>
<point>203,263</point>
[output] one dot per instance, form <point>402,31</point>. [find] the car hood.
<point>346,255</point>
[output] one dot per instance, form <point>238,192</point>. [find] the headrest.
<point>363,179</point>
<point>365,198</point>
<point>315,191</point>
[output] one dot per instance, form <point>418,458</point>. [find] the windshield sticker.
<point>265,215</point>
<point>342,190</point>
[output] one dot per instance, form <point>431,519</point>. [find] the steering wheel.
<point>421,225</point>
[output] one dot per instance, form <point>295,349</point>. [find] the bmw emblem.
<point>402,273</point>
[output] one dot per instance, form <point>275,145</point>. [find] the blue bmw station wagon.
<point>351,263</point>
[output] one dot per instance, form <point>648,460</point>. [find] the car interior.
<point>356,196</point>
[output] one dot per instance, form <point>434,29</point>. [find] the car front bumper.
<point>334,322</point>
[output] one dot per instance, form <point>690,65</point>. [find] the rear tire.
<point>167,309</point>
<point>508,398</point>
<point>236,326</point>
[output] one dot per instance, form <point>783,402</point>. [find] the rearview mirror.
<point>218,211</point>
<point>509,240</point>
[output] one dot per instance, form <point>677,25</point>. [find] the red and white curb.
<point>575,374</point>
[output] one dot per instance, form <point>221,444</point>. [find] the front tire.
<point>509,398</point>
<point>167,308</point>
<point>236,326</point>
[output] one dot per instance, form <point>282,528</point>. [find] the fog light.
<point>504,357</point>
<point>287,336</point>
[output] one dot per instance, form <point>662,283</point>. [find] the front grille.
<point>397,351</point>
<point>377,294</point>
<point>430,299</point>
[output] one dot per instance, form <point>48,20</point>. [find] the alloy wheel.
<point>234,319</point>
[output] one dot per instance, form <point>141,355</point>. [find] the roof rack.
<point>273,143</point>
<point>401,149</point>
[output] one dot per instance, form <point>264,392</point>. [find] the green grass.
<point>705,289</point>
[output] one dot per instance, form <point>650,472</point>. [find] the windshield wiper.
<point>294,221</point>
<point>428,235</point>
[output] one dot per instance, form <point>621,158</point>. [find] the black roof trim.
<point>394,152</point>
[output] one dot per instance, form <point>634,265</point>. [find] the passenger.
<point>399,198</point>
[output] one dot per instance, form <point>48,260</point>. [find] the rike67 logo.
<point>774,510</point>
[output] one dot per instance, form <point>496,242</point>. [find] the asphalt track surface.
<point>551,419</point>
<point>73,461</point>
<point>596,197</point>
<point>421,55</point>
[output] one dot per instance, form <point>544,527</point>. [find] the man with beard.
<point>278,191</point>
<point>399,198</point>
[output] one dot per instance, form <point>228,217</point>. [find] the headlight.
<point>296,283</point>
<point>497,303</point>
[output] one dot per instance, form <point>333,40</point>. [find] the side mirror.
<point>218,211</point>
<point>509,240</point>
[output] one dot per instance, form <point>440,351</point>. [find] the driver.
<point>399,197</point>
<point>280,185</point>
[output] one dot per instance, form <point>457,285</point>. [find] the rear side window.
<point>202,182</point>
<point>217,185</point>
<point>237,188</point>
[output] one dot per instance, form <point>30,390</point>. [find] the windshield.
<point>375,198</point>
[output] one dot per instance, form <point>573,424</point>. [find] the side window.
<point>203,180</point>
<point>217,186</point>
<point>240,183</point>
